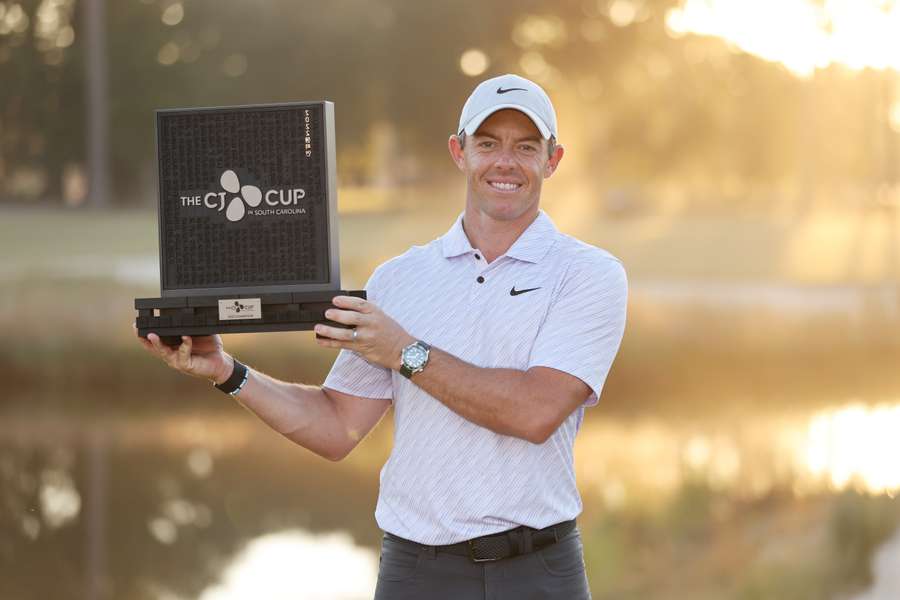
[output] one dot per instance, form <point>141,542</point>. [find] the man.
<point>489,341</point>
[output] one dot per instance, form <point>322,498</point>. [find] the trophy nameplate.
<point>248,236</point>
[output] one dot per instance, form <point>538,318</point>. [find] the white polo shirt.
<point>550,301</point>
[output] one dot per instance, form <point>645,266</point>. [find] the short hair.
<point>551,143</point>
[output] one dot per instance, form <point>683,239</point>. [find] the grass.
<point>859,247</point>
<point>65,337</point>
<point>687,356</point>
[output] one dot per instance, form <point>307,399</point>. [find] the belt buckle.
<point>474,558</point>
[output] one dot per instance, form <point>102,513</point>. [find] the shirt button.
<point>480,279</point>
<point>477,257</point>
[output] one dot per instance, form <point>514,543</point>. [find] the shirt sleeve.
<point>584,326</point>
<point>353,374</point>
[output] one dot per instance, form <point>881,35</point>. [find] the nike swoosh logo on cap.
<point>500,90</point>
<point>515,292</point>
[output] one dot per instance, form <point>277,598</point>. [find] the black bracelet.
<point>233,384</point>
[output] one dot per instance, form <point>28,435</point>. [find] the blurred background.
<point>742,159</point>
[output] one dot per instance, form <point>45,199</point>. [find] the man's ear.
<point>553,161</point>
<point>456,151</point>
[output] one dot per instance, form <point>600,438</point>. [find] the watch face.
<point>414,357</point>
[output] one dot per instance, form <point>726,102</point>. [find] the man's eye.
<point>527,148</point>
<point>486,144</point>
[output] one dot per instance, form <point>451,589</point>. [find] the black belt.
<point>506,544</point>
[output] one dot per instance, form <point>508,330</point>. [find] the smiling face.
<point>505,162</point>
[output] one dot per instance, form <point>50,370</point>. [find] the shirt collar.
<point>531,246</point>
<point>455,242</point>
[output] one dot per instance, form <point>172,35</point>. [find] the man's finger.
<point>143,341</point>
<point>161,349</point>
<point>353,303</point>
<point>347,317</point>
<point>147,345</point>
<point>330,343</point>
<point>184,352</point>
<point>335,333</point>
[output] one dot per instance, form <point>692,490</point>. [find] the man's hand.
<point>203,356</point>
<point>379,339</point>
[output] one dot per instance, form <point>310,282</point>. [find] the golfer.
<point>490,342</point>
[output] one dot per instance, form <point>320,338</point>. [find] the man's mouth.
<point>505,186</point>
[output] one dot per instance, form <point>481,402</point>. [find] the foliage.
<point>642,107</point>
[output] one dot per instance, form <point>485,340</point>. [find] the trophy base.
<point>171,318</point>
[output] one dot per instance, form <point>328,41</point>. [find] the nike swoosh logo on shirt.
<point>500,90</point>
<point>515,292</point>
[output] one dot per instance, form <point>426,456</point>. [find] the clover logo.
<point>249,194</point>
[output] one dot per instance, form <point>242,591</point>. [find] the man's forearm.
<point>305,414</point>
<point>527,404</point>
<point>499,399</point>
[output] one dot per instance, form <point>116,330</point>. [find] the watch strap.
<point>236,381</point>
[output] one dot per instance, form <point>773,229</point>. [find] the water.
<point>294,563</point>
<point>182,507</point>
<point>743,448</point>
<point>886,571</point>
<point>219,508</point>
<point>853,446</point>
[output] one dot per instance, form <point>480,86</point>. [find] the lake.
<point>217,507</point>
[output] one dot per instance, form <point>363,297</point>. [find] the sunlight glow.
<point>473,62</point>
<point>235,65</point>
<point>168,54</point>
<point>296,564</point>
<point>533,63</point>
<point>59,498</point>
<point>894,116</point>
<point>539,30</point>
<point>622,13</point>
<point>856,446</point>
<point>800,34</point>
<point>173,14</point>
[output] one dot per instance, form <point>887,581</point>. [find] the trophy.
<point>248,236</point>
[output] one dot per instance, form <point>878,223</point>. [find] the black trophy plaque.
<point>248,237</point>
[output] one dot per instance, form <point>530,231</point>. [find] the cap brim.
<point>476,121</point>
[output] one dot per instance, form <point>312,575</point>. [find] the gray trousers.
<point>412,572</point>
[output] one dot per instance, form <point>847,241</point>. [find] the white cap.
<point>508,91</point>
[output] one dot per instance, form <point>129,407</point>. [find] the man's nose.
<point>506,158</point>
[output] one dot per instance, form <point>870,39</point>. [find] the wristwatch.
<point>236,382</point>
<point>413,358</point>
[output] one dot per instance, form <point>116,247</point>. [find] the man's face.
<point>505,162</point>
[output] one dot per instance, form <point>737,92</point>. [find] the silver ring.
<point>354,335</point>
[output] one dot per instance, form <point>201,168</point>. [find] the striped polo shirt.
<point>448,479</point>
